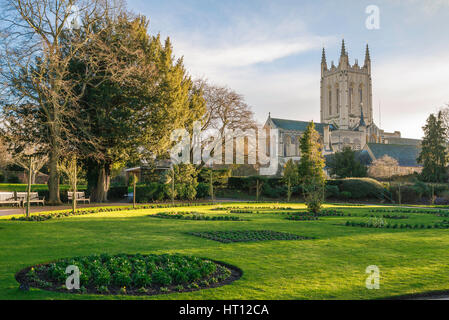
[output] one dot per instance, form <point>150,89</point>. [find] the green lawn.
<point>331,266</point>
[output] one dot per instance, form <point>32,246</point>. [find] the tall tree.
<point>434,150</point>
<point>344,164</point>
<point>39,40</point>
<point>290,177</point>
<point>143,94</point>
<point>311,168</point>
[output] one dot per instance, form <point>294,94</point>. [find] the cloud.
<point>202,57</point>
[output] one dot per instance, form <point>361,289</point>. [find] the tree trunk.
<point>30,173</point>
<point>53,181</point>
<point>100,191</point>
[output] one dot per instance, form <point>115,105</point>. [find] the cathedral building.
<point>346,112</point>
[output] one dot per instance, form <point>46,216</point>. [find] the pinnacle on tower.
<point>367,57</point>
<point>323,62</point>
<point>323,57</point>
<point>343,48</point>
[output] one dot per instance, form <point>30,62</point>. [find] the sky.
<point>270,52</point>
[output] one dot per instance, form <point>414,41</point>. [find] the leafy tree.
<point>134,108</point>
<point>344,164</point>
<point>311,169</point>
<point>290,177</point>
<point>434,150</point>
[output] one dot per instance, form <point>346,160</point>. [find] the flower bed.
<point>131,274</point>
<point>302,218</point>
<point>388,216</point>
<point>439,225</point>
<point>247,236</point>
<point>442,212</point>
<point>194,216</point>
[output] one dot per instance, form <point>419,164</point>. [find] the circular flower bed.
<point>131,274</point>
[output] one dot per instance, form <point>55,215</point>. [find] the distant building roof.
<point>404,141</point>
<point>297,125</point>
<point>406,155</point>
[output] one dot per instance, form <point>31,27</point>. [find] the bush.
<point>151,192</point>
<point>346,195</point>
<point>362,188</point>
<point>332,191</point>
<point>13,179</point>
<point>117,192</point>
<point>2,178</point>
<point>202,190</point>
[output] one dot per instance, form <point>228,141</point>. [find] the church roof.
<point>295,125</point>
<point>404,141</point>
<point>406,155</point>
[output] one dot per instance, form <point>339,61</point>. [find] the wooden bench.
<point>9,198</point>
<point>80,197</point>
<point>34,198</point>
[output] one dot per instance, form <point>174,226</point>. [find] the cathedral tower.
<point>346,91</point>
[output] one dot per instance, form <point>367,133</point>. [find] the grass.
<point>330,266</point>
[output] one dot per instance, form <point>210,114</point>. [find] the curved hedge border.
<point>81,212</point>
<point>439,225</point>
<point>440,212</point>
<point>131,274</point>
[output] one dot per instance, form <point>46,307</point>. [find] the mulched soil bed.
<point>247,236</point>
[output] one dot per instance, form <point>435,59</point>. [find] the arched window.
<point>361,93</point>
<point>330,102</point>
<point>351,92</point>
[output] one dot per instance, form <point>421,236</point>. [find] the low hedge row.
<point>440,225</point>
<point>341,189</point>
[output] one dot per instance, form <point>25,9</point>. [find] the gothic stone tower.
<point>346,92</point>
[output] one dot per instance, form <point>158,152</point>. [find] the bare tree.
<point>5,156</point>
<point>226,109</point>
<point>445,118</point>
<point>385,167</point>
<point>39,40</point>
<point>69,166</point>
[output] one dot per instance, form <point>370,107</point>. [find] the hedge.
<point>117,192</point>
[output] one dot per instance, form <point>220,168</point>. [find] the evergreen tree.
<point>311,169</point>
<point>141,95</point>
<point>290,177</point>
<point>344,164</point>
<point>434,150</point>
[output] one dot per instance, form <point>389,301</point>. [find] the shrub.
<point>202,190</point>
<point>161,278</point>
<point>117,192</point>
<point>332,191</point>
<point>13,179</point>
<point>362,188</point>
<point>346,195</point>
